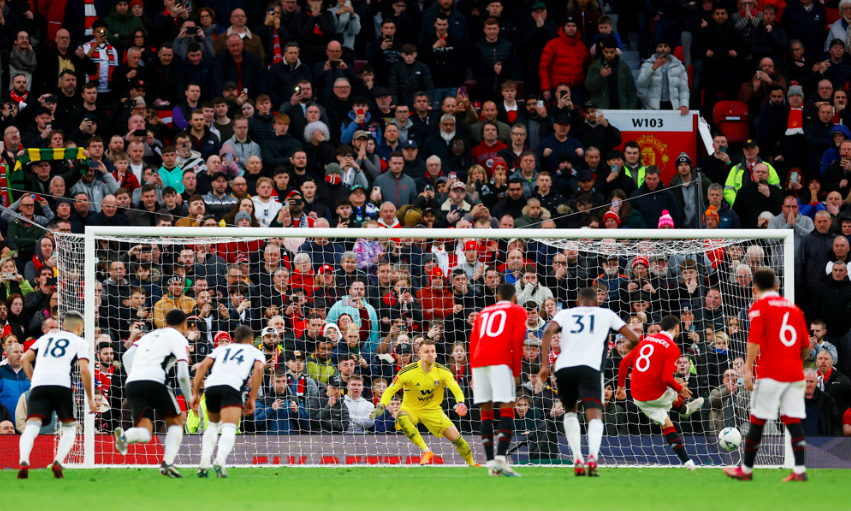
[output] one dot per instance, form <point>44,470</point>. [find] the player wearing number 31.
<point>654,388</point>
<point>579,370</point>
<point>778,336</point>
<point>55,354</point>
<point>232,367</point>
<point>496,354</point>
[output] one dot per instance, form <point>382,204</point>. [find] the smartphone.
<point>297,89</point>
<point>443,37</point>
<point>245,90</point>
<point>692,328</point>
<point>793,177</point>
<point>333,64</point>
<point>462,90</point>
<point>428,188</point>
<point>740,381</point>
<point>8,275</point>
<point>453,175</point>
<point>540,104</point>
<point>140,133</point>
<point>359,111</point>
<point>453,207</point>
<point>614,169</point>
<point>271,12</point>
<point>403,328</point>
<point>143,328</point>
<point>561,93</point>
<point>722,149</point>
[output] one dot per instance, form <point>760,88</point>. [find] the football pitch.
<point>429,488</point>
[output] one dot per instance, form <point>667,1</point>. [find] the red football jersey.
<point>654,363</point>
<point>778,326</point>
<point>498,335</point>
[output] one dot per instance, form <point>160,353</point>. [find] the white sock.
<point>66,441</point>
<point>799,469</point>
<point>173,438</point>
<point>27,440</point>
<point>574,436</point>
<point>208,443</point>
<point>137,436</point>
<point>226,442</point>
<point>746,469</point>
<point>595,437</point>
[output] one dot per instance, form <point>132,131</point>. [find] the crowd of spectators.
<point>475,114</point>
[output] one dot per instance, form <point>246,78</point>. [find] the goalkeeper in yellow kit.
<point>424,383</point>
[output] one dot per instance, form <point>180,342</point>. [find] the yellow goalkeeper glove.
<point>377,412</point>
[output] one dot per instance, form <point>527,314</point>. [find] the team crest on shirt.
<point>436,383</point>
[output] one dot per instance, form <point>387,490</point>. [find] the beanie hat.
<point>683,158</point>
<point>435,272</point>
<point>712,212</point>
<point>613,215</point>
<point>795,89</point>
<point>665,220</point>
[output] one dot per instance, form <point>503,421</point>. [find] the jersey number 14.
<point>236,356</point>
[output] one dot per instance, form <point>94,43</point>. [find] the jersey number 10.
<point>490,326</point>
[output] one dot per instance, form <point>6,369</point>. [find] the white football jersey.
<point>233,365</point>
<point>156,353</point>
<point>584,336</point>
<point>55,357</point>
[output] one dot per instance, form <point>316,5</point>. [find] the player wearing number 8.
<point>654,388</point>
<point>778,339</point>
<point>496,353</point>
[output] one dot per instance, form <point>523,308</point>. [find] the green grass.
<point>431,489</point>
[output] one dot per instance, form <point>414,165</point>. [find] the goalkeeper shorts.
<point>434,420</point>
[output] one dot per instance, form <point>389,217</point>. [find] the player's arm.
<point>551,329</point>
<point>86,375</point>
<point>127,359</point>
<point>460,407</point>
<point>184,381</point>
<point>517,340</point>
<point>623,368</point>
<point>396,386</point>
<point>629,334</point>
<point>668,375</point>
<point>255,386</point>
<point>757,331</point>
<point>199,379</point>
<point>27,361</point>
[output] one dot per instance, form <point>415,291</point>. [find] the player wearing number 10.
<point>496,354</point>
<point>55,354</point>
<point>579,370</point>
<point>778,336</point>
<point>232,366</point>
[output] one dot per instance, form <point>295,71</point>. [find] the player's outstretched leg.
<point>487,441</point>
<point>506,427</point>
<point>226,441</point>
<point>410,431</point>
<point>25,446</point>
<point>752,443</point>
<point>208,445</point>
<point>676,443</point>
<point>574,441</point>
<point>799,446</point>
<point>135,435</point>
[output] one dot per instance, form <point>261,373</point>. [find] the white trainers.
<point>692,406</point>
<point>690,465</point>
<point>506,468</point>
<point>120,440</point>
<point>494,469</point>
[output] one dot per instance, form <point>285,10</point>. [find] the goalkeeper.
<point>424,383</point>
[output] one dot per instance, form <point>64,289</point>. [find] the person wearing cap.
<point>455,206</point>
<point>666,80</point>
<point>742,172</point>
<point>551,149</point>
<point>618,93</point>
<point>596,131</point>
<point>330,414</point>
<point>415,167</point>
<point>173,298</point>
<point>563,60</point>
<point>690,191</point>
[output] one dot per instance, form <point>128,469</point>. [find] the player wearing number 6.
<point>496,353</point>
<point>55,354</point>
<point>778,335</point>
<point>579,370</point>
<point>654,388</point>
<point>232,367</point>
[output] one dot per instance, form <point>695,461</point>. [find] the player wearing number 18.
<point>778,337</point>
<point>579,370</point>
<point>55,354</point>
<point>232,367</point>
<point>496,354</point>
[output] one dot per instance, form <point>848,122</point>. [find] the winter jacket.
<point>603,138</point>
<point>251,73</point>
<point>810,262</point>
<point>447,64</point>
<point>536,293</point>
<point>598,86</point>
<point>651,204</point>
<point>750,203</point>
<point>408,79</point>
<point>359,410</point>
<point>563,60</point>
<point>120,26</point>
<point>830,302</point>
<point>809,27</point>
<point>349,127</point>
<point>484,57</point>
<point>276,150</point>
<point>243,150</point>
<point>331,419</point>
<point>12,385</point>
<point>651,80</point>
<point>679,194</point>
<point>829,414</point>
<point>740,175</point>
<point>314,32</point>
<point>399,191</point>
<point>283,80</point>
<point>251,42</point>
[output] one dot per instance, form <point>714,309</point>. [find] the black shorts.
<point>581,384</point>
<point>46,399</point>
<point>222,396</point>
<point>147,397</point>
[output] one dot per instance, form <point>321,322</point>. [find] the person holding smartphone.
<point>663,68</point>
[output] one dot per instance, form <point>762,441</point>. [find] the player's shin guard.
<point>137,436</point>
<point>595,437</point>
<point>66,441</point>
<point>208,443</point>
<point>27,439</point>
<point>464,450</point>
<point>676,443</point>
<point>173,438</point>
<point>574,436</point>
<point>226,442</point>
<point>799,443</point>
<point>506,425</point>
<point>752,442</point>
<point>487,433</point>
<point>411,432</point>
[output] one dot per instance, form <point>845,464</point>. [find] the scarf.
<point>795,124</point>
<point>297,387</point>
<point>104,55</point>
<point>19,98</point>
<point>91,15</point>
<point>276,49</point>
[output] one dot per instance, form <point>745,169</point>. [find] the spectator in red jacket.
<point>436,300</point>
<point>563,60</point>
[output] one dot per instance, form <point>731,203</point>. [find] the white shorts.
<point>657,410</point>
<point>493,384</point>
<point>769,396</point>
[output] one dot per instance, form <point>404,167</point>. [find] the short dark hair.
<point>764,279</point>
<point>242,334</point>
<point>175,317</point>
<point>669,322</point>
<point>506,291</point>
<point>587,295</point>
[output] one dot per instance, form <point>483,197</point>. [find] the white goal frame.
<point>785,237</point>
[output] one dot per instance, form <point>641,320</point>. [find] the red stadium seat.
<point>678,52</point>
<point>731,118</point>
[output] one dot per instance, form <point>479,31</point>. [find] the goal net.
<point>348,307</point>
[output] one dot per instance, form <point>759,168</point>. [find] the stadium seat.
<point>678,52</point>
<point>359,65</point>
<point>731,118</point>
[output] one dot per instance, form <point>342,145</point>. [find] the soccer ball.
<point>730,439</point>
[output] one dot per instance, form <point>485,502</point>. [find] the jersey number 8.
<point>642,363</point>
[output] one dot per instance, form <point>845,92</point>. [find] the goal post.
<point>525,254</point>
